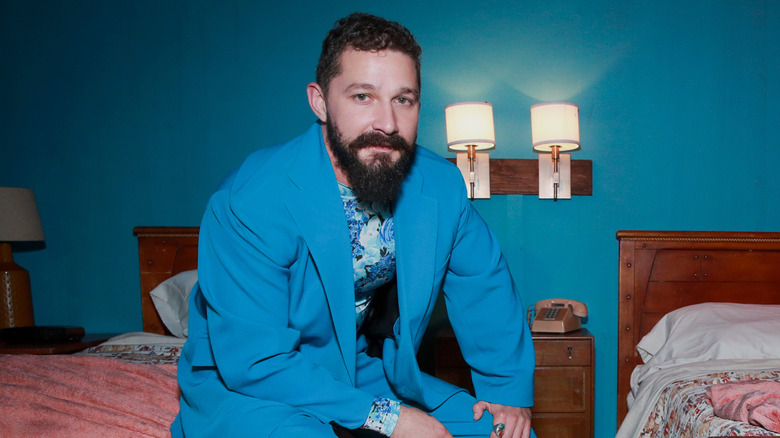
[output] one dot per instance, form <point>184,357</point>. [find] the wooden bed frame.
<point>661,271</point>
<point>163,252</point>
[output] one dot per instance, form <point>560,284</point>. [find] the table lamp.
<point>19,222</point>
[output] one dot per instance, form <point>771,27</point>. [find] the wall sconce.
<point>555,128</point>
<point>470,128</point>
<point>19,222</point>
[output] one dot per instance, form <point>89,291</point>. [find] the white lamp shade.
<point>19,219</point>
<point>470,123</point>
<point>555,124</point>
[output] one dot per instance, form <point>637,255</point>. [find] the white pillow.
<point>171,298</point>
<point>712,331</point>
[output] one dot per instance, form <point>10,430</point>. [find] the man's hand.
<point>414,423</point>
<point>517,421</point>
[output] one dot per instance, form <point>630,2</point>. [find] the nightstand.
<point>563,380</point>
<point>89,340</point>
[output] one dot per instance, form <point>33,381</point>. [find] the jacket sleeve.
<point>486,314</point>
<point>244,276</point>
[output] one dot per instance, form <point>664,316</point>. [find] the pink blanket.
<point>85,396</point>
<point>754,401</point>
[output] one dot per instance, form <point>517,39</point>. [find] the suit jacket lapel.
<point>416,225</point>
<point>416,216</point>
<point>319,213</point>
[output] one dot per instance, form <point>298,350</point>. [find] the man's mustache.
<point>369,139</point>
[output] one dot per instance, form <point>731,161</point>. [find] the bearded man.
<point>320,261</point>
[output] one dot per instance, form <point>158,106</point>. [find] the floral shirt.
<point>373,260</point>
<point>373,247</point>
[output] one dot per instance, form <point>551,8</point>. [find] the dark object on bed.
<point>661,271</point>
<point>41,334</point>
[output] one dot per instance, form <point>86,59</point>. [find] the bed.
<point>698,314</point>
<point>125,387</point>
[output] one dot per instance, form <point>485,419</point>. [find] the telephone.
<point>557,315</point>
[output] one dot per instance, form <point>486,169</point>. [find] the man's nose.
<point>385,119</point>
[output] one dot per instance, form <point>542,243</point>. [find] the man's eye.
<point>404,100</point>
<point>361,97</point>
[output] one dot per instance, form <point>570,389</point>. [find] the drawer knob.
<point>570,350</point>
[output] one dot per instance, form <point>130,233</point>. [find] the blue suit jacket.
<point>273,316</point>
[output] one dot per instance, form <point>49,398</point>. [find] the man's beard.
<point>380,179</point>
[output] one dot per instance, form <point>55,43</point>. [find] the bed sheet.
<point>673,402</point>
<point>125,387</point>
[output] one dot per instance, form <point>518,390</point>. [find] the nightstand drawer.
<point>564,352</point>
<point>562,426</point>
<point>561,389</point>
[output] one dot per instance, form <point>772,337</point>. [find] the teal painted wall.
<point>123,113</point>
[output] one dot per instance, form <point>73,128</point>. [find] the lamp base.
<point>15,297</point>
<point>547,177</point>
<point>480,175</point>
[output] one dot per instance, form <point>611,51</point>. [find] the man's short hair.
<point>361,31</point>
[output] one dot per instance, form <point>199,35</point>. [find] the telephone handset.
<point>557,315</point>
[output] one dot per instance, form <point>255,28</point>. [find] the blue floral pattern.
<point>383,416</point>
<point>373,247</point>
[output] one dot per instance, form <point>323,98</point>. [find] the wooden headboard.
<point>661,271</point>
<point>162,253</point>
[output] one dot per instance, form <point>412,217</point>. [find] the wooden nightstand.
<point>563,380</point>
<point>89,340</point>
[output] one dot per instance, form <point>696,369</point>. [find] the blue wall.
<point>126,113</point>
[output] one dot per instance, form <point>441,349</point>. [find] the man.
<point>320,262</point>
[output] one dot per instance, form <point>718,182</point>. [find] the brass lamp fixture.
<point>469,129</point>
<point>19,222</point>
<point>555,128</point>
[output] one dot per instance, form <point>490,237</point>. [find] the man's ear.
<point>317,101</point>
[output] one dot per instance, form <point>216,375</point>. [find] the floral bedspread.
<point>683,409</point>
<point>140,347</point>
<point>139,353</point>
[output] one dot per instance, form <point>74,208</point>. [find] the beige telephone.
<point>557,315</point>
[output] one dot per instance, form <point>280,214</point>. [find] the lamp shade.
<point>19,219</point>
<point>470,124</point>
<point>555,124</point>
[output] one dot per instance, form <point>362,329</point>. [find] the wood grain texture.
<point>510,176</point>
<point>162,253</point>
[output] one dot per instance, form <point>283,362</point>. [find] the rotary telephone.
<point>556,315</point>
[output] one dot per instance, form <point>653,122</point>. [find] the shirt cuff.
<point>383,416</point>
